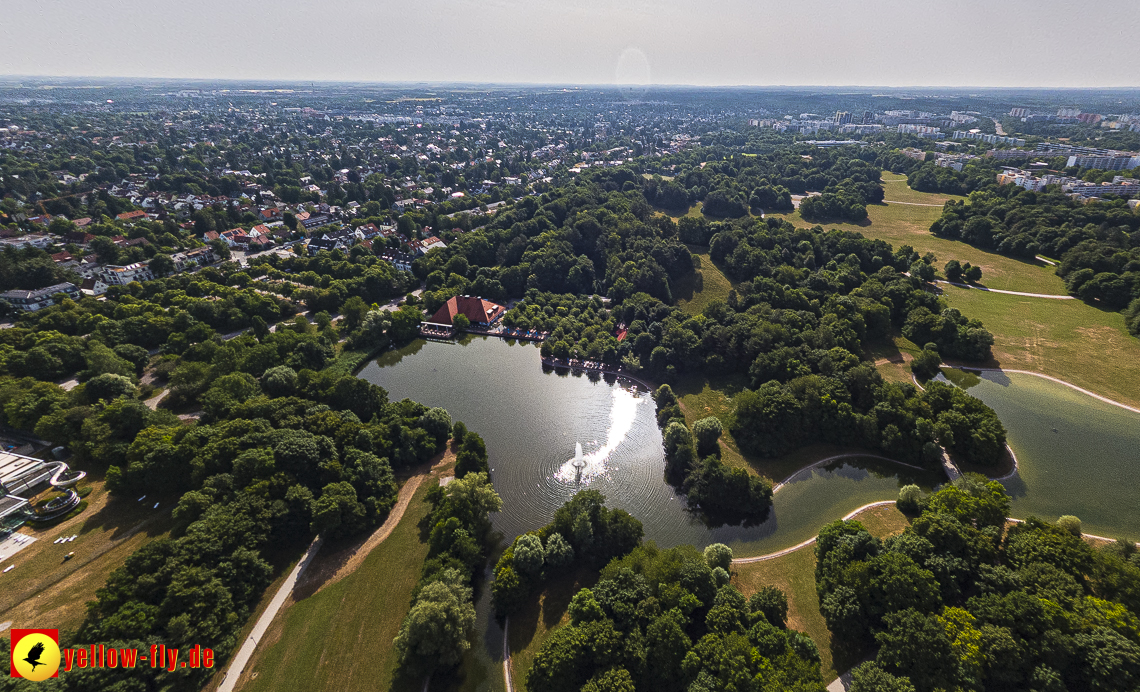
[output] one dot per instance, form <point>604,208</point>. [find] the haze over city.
<point>721,42</point>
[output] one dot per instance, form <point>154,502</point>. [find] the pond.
<point>1076,455</point>
<point>533,419</point>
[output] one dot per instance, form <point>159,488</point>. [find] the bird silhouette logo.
<point>35,654</point>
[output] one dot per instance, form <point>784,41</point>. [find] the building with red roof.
<point>481,313</point>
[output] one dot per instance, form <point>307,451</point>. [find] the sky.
<point>1030,43</point>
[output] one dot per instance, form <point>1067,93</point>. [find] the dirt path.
<point>407,491</point>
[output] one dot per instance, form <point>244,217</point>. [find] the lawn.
<point>44,590</point>
<point>1067,339</point>
<point>706,284</point>
<point>340,637</point>
<point>794,573</point>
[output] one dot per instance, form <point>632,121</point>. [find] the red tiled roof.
<point>131,215</point>
<point>475,309</point>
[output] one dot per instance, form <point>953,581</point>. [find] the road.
<point>241,660</point>
<point>998,128</point>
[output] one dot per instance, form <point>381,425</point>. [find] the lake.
<point>1077,455</point>
<point>532,419</point>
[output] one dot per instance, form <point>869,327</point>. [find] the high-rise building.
<point>1019,112</point>
<point>842,117</point>
<point>1068,112</point>
<point>868,117</point>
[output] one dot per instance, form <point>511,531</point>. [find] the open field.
<point>896,189</point>
<point>45,591</point>
<point>706,284</point>
<point>1066,339</point>
<point>794,574</point>
<point>340,637</point>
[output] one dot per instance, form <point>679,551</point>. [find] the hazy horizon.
<point>730,43</point>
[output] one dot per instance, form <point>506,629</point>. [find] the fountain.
<point>578,462</point>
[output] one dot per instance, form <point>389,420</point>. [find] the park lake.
<point>532,418</point>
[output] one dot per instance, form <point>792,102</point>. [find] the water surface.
<point>1077,455</point>
<point>531,420</point>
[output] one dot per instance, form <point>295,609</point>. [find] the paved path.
<point>239,662</point>
<point>794,548</point>
<point>1008,293</point>
<point>911,204</point>
<point>1047,377</point>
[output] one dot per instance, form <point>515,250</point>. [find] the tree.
<point>772,603</point>
<point>461,323</point>
<point>706,432</point>
<point>434,633</point>
<point>161,265</point>
<point>337,510</point>
<point>107,387</point>
<point>869,677</point>
<point>973,273</point>
<point>279,381</point>
<point>953,271</point>
<point>405,324</point>
<point>612,680</point>
<point>529,555</point>
<point>1071,524</point>
<point>559,553</point>
<point>472,455</point>
<point>909,496</point>
<point>719,555</point>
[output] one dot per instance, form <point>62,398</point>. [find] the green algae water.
<point>1076,455</point>
<point>532,420</point>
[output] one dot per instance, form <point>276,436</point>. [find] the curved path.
<point>1047,377</point>
<point>1054,296</point>
<point>785,551</point>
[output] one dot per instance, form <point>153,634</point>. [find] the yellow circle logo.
<point>36,657</point>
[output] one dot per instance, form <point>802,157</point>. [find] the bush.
<point>1071,524</point>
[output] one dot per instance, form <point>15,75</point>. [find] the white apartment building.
<point>116,275</point>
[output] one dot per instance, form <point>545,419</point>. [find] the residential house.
<point>121,275</point>
<point>132,216</point>
<point>78,237</point>
<point>423,246</point>
<point>401,261</point>
<point>31,240</point>
<point>61,257</point>
<point>30,301</point>
<point>93,287</point>
<point>318,244</point>
<point>316,221</point>
<point>198,257</point>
